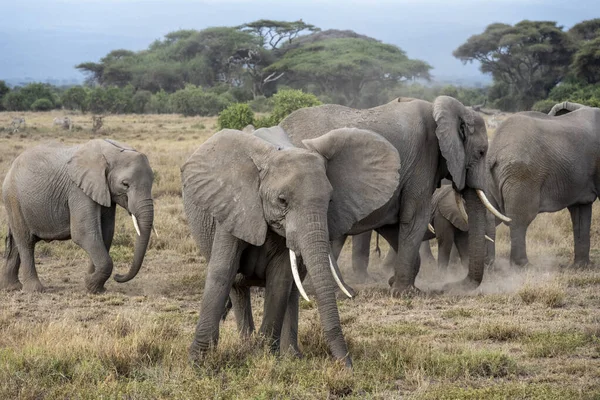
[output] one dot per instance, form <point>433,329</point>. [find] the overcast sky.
<point>46,38</point>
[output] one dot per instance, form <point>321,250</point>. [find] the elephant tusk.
<point>490,207</point>
<point>135,224</point>
<point>461,206</point>
<point>430,227</point>
<point>155,231</point>
<point>337,278</point>
<point>489,238</point>
<point>296,275</point>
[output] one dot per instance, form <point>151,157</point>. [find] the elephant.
<point>259,209</point>
<point>54,192</point>
<point>449,225</point>
<point>435,140</point>
<point>544,163</point>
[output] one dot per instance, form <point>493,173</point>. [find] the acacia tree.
<point>343,67</point>
<point>586,63</point>
<point>526,60</point>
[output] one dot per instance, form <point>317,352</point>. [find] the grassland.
<point>525,334</point>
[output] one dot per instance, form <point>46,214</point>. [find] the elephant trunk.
<point>314,247</point>
<point>144,214</point>
<point>477,244</point>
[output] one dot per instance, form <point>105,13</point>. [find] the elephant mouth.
<point>484,200</point>
<point>348,291</point>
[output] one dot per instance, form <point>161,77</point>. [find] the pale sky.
<point>46,38</point>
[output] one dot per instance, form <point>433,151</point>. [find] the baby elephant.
<point>53,192</point>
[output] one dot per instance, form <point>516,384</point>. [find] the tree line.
<point>202,72</point>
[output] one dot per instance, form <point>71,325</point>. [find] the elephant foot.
<point>465,285</point>
<point>398,291</point>
<point>33,286</point>
<point>10,285</point>
<point>94,286</point>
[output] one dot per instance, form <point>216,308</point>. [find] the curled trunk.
<point>144,214</point>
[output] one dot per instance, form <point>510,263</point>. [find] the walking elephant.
<point>434,140</point>
<point>545,163</point>
<point>53,192</point>
<point>449,225</point>
<point>249,200</point>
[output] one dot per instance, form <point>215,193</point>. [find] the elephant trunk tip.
<point>122,278</point>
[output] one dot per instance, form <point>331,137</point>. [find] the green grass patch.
<point>554,344</point>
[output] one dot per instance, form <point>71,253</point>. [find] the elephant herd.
<point>266,208</point>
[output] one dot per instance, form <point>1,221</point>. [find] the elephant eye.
<point>461,130</point>
<point>125,183</point>
<point>282,200</point>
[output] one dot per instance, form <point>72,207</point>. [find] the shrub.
<point>140,101</point>
<point>236,116</point>
<point>15,101</point>
<point>543,106</point>
<point>264,122</point>
<point>261,104</point>
<point>159,103</point>
<point>75,98</point>
<point>287,101</point>
<point>195,101</point>
<point>42,105</point>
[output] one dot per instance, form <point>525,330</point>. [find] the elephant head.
<point>112,173</point>
<point>463,142</point>
<point>309,196</point>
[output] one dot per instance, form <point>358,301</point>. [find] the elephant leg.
<point>9,280</point>
<point>461,241</point>
<point>107,218</point>
<point>445,236</point>
<point>425,253</point>
<point>337,245</point>
<point>289,332</point>
<point>31,282</point>
<point>242,309</point>
<point>390,260</point>
<point>521,204</point>
<point>361,247</point>
<point>278,286</point>
<point>222,268</point>
<point>85,232</point>
<point>581,216</point>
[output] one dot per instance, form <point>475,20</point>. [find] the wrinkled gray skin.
<point>451,231</point>
<point>434,140</point>
<point>53,192</point>
<point>545,163</point>
<point>248,201</point>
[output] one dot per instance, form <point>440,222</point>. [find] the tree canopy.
<point>527,60</point>
<point>343,67</point>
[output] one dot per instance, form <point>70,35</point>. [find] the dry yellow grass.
<point>525,334</point>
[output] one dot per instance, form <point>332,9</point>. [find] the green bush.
<point>287,101</point>
<point>264,122</point>
<point>140,101</point>
<point>194,100</point>
<point>76,98</point>
<point>159,103</point>
<point>15,101</point>
<point>543,106</point>
<point>236,116</point>
<point>42,105</point>
<point>261,104</point>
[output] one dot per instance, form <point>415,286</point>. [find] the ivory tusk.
<point>155,231</point>
<point>489,238</point>
<point>296,275</point>
<point>430,227</point>
<point>135,224</point>
<point>491,208</point>
<point>461,206</point>
<point>337,278</point>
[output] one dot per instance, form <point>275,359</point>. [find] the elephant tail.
<point>9,244</point>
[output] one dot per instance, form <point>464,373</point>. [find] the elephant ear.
<point>446,205</point>
<point>363,169</point>
<point>222,177</point>
<point>88,169</point>
<point>453,121</point>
